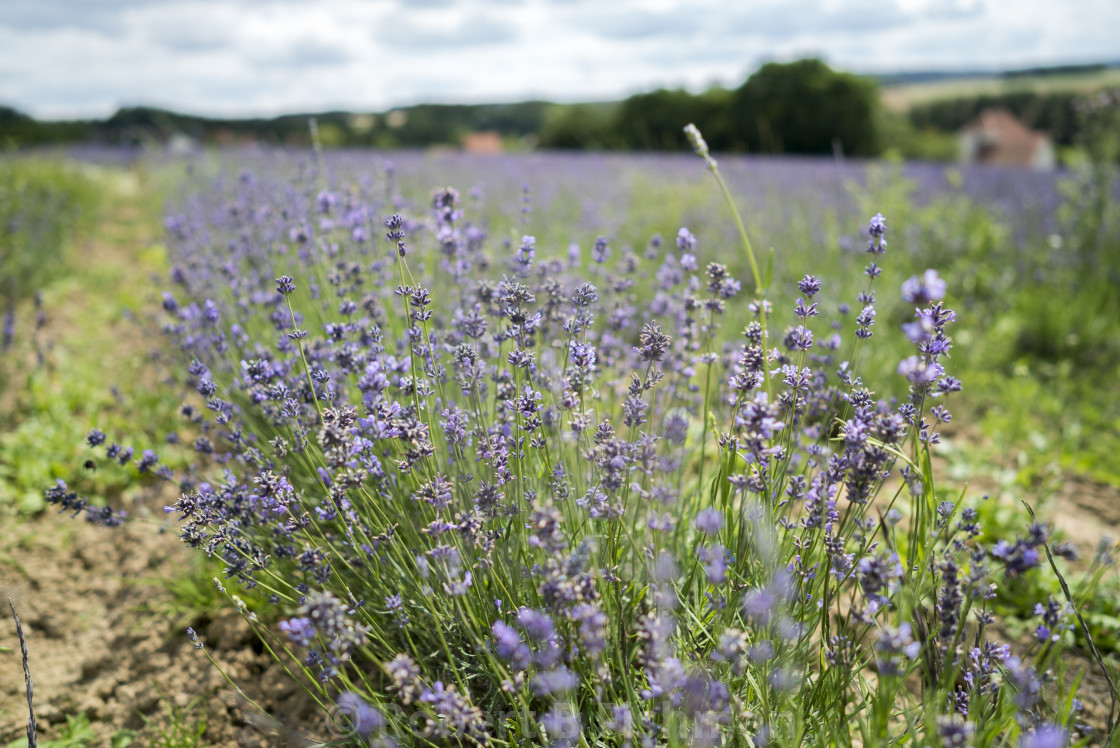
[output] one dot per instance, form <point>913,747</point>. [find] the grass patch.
<point>84,362</point>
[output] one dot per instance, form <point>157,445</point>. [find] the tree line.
<point>798,107</point>
<point>802,107</point>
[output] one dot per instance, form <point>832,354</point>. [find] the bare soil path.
<point>106,638</point>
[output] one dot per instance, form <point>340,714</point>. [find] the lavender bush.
<point>482,489</point>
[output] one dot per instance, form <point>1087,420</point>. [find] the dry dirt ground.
<point>100,645</point>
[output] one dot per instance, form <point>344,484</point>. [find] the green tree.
<point>805,107</point>
<point>580,126</point>
<point>654,121</point>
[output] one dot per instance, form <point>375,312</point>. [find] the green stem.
<point>759,288</point>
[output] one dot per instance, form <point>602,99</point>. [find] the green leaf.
<point>122,738</point>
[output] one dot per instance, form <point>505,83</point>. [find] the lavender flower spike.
<point>699,145</point>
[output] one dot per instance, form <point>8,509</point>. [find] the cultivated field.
<point>901,98</point>
<point>371,448</point>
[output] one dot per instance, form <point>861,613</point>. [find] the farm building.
<point>486,142</point>
<point>998,137</point>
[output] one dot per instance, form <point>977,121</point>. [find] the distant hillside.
<point>908,78</point>
<point>903,91</point>
<point>915,77</point>
<point>423,125</point>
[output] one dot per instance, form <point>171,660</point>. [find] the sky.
<point>86,58</point>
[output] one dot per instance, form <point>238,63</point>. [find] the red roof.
<point>1003,139</point>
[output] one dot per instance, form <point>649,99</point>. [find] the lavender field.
<point>407,448</point>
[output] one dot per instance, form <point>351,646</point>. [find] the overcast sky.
<point>64,58</point>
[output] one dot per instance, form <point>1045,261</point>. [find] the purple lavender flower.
<point>865,319</point>
<point>876,228</point>
<point>621,721</point>
<point>733,649</point>
<point>686,242</point>
<point>9,329</point>
<point>654,343</point>
<point>759,605</point>
<point>709,521</point>
<point>919,372</point>
<point>758,419</point>
<point>798,339</point>
<point>562,723</point>
<point>68,500</point>
<point>804,312</point>
<point>810,285</point>
<point>715,560</point>
<point>285,285</point>
<point>508,645</point>
<point>395,224</point>
<point>675,427</point>
<point>436,492</point>
<point>301,631</point>
<point>634,411</point>
<point>363,718</point>
<point>553,682</point>
<point>722,285</point>
<point>600,251</point>
<point>395,605</point>
<point>924,289</point>
<point>527,251</point>
<point>894,648</point>
<point>325,617</point>
<point>458,715</point>
<point>405,676</point>
<point>878,575</point>
<point>953,732</point>
<point>1025,679</point>
<point>540,629</point>
<point>592,627</point>
<point>585,295</point>
<point>1018,557</point>
<point>1044,736</point>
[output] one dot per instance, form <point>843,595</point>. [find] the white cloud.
<point>74,58</point>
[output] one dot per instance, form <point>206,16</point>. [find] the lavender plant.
<point>483,490</point>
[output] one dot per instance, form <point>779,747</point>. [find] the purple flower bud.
<point>924,289</point>
<point>363,718</point>
<point>1044,736</point>
<point>508,645</point>
<point>686,242</point>
<point>709,521</point>
<point>810,285</point>
<point>919,372</point>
